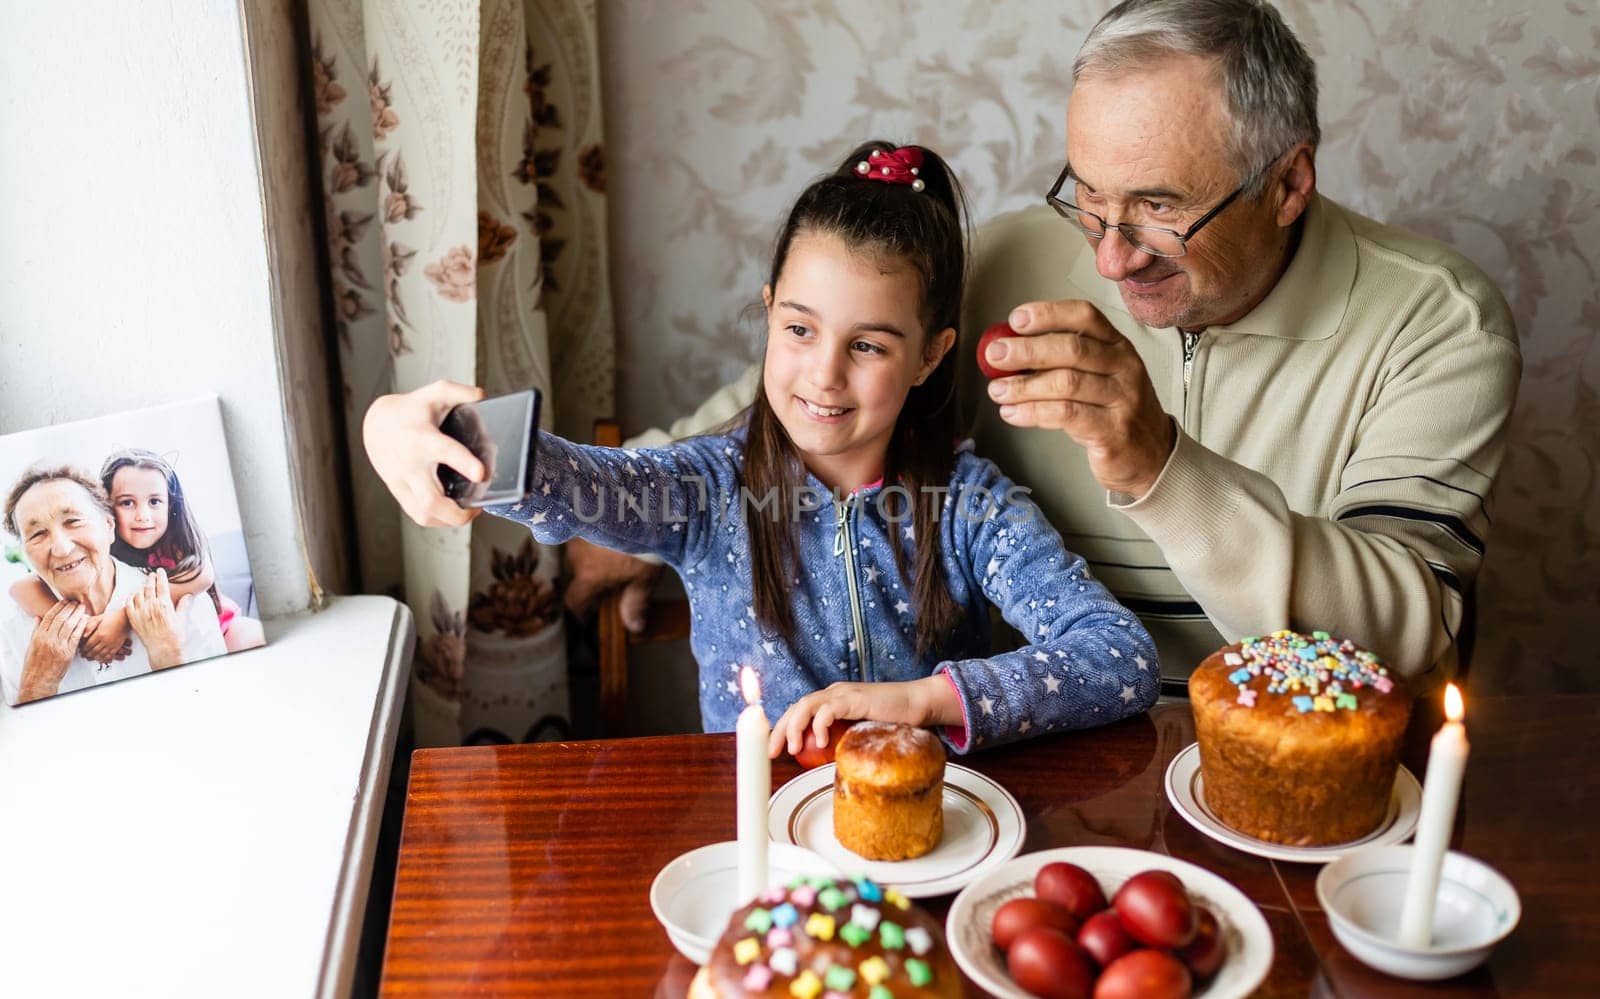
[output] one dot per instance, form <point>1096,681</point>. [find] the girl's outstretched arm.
<point>651,500</point>
<point>1091,661</point>
<point>33,596</point>
<point>661,501</point>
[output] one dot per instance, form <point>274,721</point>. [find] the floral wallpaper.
<point>1473,123</point>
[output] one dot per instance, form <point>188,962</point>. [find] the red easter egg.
<point>1205,952</point>
<point>996,332</point>
<point>1047,963</point>
<point>1155,910</point>
<point>1070,887</point>
<point>1104,938</point>
<point>813,755</point>
<point>1019,915</point>
<point>1144,974</point>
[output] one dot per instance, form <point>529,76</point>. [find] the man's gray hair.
<point>1268,80</point>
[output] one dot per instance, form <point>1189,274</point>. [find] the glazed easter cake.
<point>888,791</point>
<point>1299,737</point>
<point>820,938</point>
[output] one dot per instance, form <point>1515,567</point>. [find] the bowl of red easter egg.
<point>1100,922</point>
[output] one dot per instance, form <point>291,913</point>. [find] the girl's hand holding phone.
<point>404,443</point>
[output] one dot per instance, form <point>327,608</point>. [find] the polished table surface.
<point>525,870</point>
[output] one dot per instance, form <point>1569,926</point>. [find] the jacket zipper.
<point>844,544</point>
<point>1191,343</point>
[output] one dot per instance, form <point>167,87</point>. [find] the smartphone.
<point>504,433</point>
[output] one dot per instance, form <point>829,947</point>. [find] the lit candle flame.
<point>750,683</point>
<point>1453,708</point>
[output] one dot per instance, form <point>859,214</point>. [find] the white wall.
<point>133,258</point>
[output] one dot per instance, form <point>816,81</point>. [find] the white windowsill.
<point>208,830</point>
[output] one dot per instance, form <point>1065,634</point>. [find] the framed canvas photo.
<point>123,550</point>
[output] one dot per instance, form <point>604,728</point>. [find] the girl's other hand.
<point>105,638</point>
<point>910,702</point>
<point>404,443</point>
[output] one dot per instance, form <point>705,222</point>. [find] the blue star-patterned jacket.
<point>1090,661</point>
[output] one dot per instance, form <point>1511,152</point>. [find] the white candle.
<point>754,787</point>
<point>1447,760</point>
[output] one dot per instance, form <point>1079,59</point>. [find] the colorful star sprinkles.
<point>854,911</point>
<point>1317,672</point>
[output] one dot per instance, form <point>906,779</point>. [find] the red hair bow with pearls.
<point>899,166</point>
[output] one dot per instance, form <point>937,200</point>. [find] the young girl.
<point>838,540</point>
<point>155,530</point>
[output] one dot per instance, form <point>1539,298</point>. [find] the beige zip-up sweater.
<point>1336,452</point>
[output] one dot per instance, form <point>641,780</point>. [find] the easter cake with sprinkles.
<point>821,938</point>
<point>1299,737</point>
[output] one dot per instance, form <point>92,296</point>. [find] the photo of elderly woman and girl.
<point>110,573</point>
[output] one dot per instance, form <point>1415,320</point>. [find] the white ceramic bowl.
<point>693,895</point>
<point>1362,894</point>
<point>1243,927</point>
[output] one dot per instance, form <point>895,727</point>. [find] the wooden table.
<point>524,870</point>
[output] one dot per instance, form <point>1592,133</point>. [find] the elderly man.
<point>66,527</point>
<point>1248,407</point>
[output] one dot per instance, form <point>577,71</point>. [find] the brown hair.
<point>923,229</point>
<point>34,476</point>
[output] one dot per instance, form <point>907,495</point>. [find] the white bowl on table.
<point>1242,926</point>
<point>696,892</point>
<point>1362,894</point>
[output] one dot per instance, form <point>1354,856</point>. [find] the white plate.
<point>693,895</point>
<point>1186,791</point>
<point>1249,939</point>
<point>983,828</point>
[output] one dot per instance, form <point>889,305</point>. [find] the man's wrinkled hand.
<point>1078,374</point>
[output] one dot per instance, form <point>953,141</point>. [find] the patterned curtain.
<point>465,213</point>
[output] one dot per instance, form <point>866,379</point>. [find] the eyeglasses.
<point>1148,238</point>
